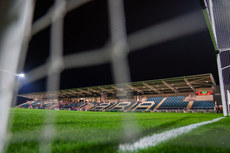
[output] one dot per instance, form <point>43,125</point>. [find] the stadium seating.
<point>123,104</point>
<point>25,105</point>
<point>203,105</point>
<point>101,106</point>
<point>130,105</point>
<point>37,102</point>
<point>139,109</point>
<point>135,105</point>
<point>108,106</point>
<point>171,103</point>
<point>98,108</point>
<point>117,109</point>
<point>146,104</point>
<point>33,104</point>
<point>111,108</point>
<point>157,100</point>
<point>174,102</point>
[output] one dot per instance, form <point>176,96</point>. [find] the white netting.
<point>116,52</point>
<point>219,18</point>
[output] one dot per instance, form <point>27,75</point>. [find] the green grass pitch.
<point>99,132</point>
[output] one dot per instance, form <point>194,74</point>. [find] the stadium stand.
<point>141,109</point>
<point>203,105</point>
<point>187,93</point>
<point>111,108</point>
<point>158,103</point>
<point>121,106</point>
<point>156,100</point>
<point>144,106</point>
<point>134,106</point>
<point>101,106</point>
<point>174,102</point>
<point>130,105</point>
<point>37,102</point>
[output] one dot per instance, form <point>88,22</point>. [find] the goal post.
<point>17,30</point>
<point>216,13</point>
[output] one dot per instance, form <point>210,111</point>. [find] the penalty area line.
<point>155,139</point>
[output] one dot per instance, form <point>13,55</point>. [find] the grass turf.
<point>210,138</point>
<point>93,131</point>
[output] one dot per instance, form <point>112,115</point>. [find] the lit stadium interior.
<point>114,76</point>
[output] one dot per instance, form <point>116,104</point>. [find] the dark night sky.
<point>87,28</point>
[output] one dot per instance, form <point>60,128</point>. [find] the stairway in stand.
<point>189,105</point>
<point>160,103</point>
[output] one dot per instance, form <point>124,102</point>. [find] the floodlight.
<point>21,75</point>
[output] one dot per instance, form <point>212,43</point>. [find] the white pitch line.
<point>155,139</point>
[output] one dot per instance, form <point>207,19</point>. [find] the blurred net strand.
<point>118,51</point>
<point>120,66</point>
<point>165,31</point>
<point>226,67</point>
<point>47,19</point>
<point>55,68</point>
<point>22,56</point>
<point>225,50</point>
<point>25,44</point>
<point>119,46</point>
<point>17,20</point>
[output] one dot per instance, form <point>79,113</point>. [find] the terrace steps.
<point>189,105</point>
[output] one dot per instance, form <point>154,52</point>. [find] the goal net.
<point>218,18</point>
<point>17,29</point>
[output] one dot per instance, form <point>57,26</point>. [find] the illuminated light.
<point>21,75</point>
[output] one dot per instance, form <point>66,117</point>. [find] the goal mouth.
<point>45,127</point>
